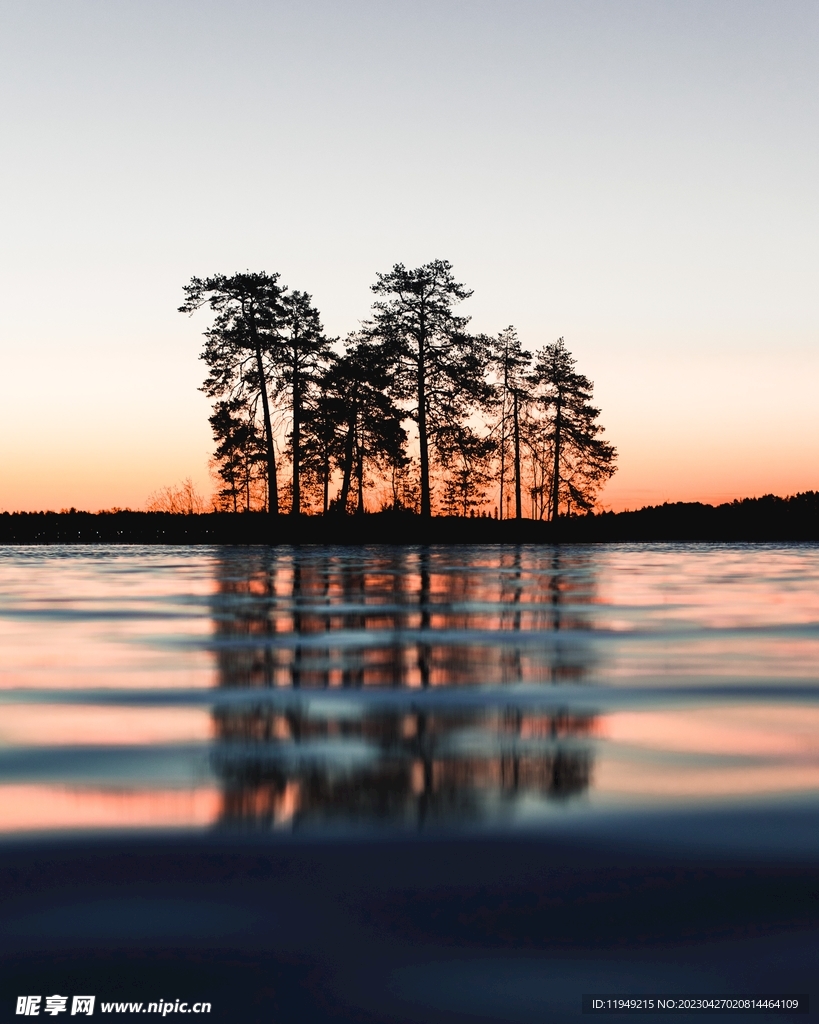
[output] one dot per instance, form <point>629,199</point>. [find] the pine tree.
<point>295,364</point>
<point>239,456</point>
<point>356,424</point>
<point>436,366</point>
<point>465,458</point>
<point>320,440</point>
<point>239,344</point>
<point>581,460</point>
<point>509,363</point>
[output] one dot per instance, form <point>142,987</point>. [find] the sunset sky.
<point>638,177</point>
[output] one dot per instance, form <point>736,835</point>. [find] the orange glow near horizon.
<point>624,493</point>
<point>656,464</point>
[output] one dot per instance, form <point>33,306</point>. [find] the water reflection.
<point>411,767</point>
<point>403,618</point>
<point>186,687</point>
<point>413,620</point>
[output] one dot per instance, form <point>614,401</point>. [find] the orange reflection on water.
<point>311,620</point>
<point>625,778</point>
<point>93,620</point>
<point>36,808</point>
<point>72,655</point>
<point>778,744</point>
<point>71,724</point>
<point>717,587</point>
<point>750,730</point>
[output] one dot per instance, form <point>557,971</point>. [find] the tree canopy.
<point>238,346</point>
<point>581,459</point>
<point>437,365</point>
<point>413,411</point>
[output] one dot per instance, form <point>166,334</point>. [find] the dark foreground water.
<point>409,783</point>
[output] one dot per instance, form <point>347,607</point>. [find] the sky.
<point>636,177</point>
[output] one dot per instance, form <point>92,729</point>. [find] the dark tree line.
<point>412,408</point>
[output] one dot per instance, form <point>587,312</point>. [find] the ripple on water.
<point>431,687</point>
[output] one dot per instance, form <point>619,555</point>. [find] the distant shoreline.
<point>769,518</point>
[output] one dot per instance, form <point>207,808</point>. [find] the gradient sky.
<point>639,178</point>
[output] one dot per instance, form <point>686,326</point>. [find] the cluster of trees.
<point>412,411</point>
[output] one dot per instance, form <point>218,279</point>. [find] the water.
<point>323,690</point>
<point>405,784</point>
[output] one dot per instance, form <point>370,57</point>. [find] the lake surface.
<point>330,689</point>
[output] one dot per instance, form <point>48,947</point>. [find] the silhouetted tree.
<point>239,345</point>
<point>239,455</point>
<point>295,363</point>
<point>465,457</point>
<point>510,364</point>
<point>369,422</point>
<point>321,434</point>
<point>536,441</point>
<point>436,365</point>
<point>267,358</point>
<point>581,460</point>
<point>403,486</point>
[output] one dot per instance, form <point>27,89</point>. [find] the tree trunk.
<point>503,429</point>
<point>360,474</point>
<point>349,445</point>
<point>326,482</point>
<point>234,490</point>
<point>423,442</point>
<point>295,508</point>
<point>518,508</point>
<point>272,482</point>
<point>556,469</point>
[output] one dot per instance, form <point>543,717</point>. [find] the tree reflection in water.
<point>308,640</point>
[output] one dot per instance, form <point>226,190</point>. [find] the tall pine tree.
<point>510,363</point>
<point>437,367</point>
<point>296,361</point>
<point>581,460</point>
<point>239,344</point>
